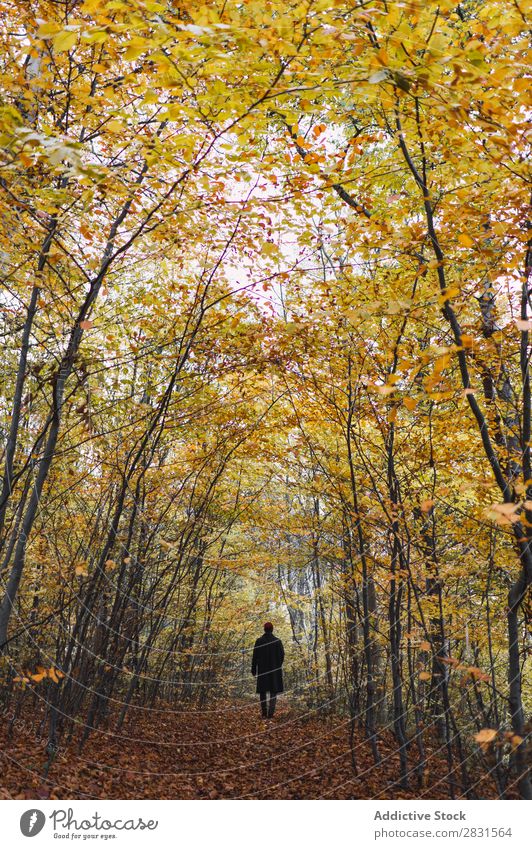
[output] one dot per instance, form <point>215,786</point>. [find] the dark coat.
<point>268,656</point>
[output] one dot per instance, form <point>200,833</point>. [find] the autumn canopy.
<point>266,318</point>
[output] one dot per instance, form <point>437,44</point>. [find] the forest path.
<point>224,752</point>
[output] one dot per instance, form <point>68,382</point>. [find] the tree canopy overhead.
<point>265,315</point>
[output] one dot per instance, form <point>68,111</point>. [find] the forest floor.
<point>226,752</point>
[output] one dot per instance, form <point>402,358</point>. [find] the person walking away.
<point>267,662</point>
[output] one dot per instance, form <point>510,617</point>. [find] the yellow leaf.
<point>52,673</point>
<point>486,735</point>
<point>114,126</point>
<point>410,403</point>
<point>424,676</point>
<point>39,675</point>
<point>133,52</point>
<point>64,40</point>
<point>449,293</point>
<point>151,97</point>
<point>48,29</point>
<point>270,249</point>
<point>504,514</point>
<point>96,36</point>
<point>465,240</point>
<point>425,645</point>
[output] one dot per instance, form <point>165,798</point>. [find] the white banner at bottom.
<point>239,824</point>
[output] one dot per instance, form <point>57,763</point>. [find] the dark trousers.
<point>268,710</point>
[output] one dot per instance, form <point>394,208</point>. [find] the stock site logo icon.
<point>32,822</point>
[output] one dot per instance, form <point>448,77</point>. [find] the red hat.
<point>268,626</point>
